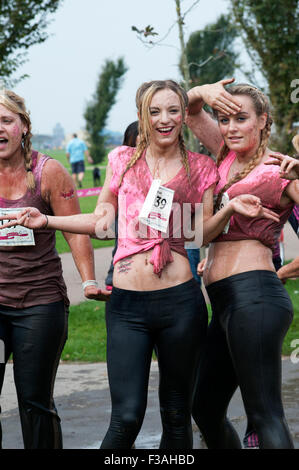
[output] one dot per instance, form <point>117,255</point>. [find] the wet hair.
<point>144,97</point>
<point>131,134</point>
<point>261,106</point>
<point>16,104</point>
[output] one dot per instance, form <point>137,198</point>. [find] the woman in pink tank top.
<point>33,297</point>
<point>251,309</point>
<point>158,189</point>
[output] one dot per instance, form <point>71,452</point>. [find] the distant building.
<point>58,135</point>
<point>54,141</point>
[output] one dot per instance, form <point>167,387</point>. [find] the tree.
<point>270,31</point>
<point>97,110</point>
<point>210,55</point>
<point>148,32</point>
<point>22,24</point>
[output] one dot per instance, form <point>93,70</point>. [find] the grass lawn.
<point>87,331</point>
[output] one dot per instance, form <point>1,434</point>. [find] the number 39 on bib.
<point>157,206</point>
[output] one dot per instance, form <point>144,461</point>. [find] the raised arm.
<point>202,123</point>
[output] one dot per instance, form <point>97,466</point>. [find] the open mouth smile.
<point>165,130</point>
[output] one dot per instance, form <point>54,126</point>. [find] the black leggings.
<point>172,321</point>
<point>251,315</point>
<point>36,337</point>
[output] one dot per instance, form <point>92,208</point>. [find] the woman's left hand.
<point>289,166</point>
<point>94,293</point>
<point>251,206</point>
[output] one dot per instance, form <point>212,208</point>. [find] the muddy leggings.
<point>35,336</point>
<point>251,315</point>
<point>172,321</point>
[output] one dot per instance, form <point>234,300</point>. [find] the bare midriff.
<point>234,257</point>
<point>136,272</point>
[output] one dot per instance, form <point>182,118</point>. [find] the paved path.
<point>82,393</point>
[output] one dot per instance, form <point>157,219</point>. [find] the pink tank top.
<point>264,182</point>
<point>131,196</point>
<point>32,275</point>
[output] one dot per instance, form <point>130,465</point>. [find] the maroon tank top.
<point>32,275</point>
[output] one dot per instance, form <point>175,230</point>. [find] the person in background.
<point>33,295</point>
<point>76,152</point>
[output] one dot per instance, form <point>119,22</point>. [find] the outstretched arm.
<point>94,224</point>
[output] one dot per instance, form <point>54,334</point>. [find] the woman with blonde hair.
<point>155,302</point>
<point>33,295</point>
<point>251,309</point>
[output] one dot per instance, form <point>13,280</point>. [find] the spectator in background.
<point>76,151</point>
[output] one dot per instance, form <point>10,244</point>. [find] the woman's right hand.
<point>201,266</point>
<point>29,217</point>
<point>216,96</point>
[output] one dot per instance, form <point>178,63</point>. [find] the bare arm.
<point>246,204</point>
<point>200,122</point>
<point>290,270</point>
<point>292,191</point>
<point>59,191</point>
<point>88,156</point>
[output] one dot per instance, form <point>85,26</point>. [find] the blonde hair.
<point>295,142</point>
<point>261,106</point>
<point>144,97</point>
<point>16,104</point>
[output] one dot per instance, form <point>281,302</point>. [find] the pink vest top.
<point>32,275</point>
<point>132,193</point>
<point>264,182</point>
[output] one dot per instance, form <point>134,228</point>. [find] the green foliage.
<point>271,34</point>
<point>97,111</point>
<point>22,24</point>
<point>210,54</point>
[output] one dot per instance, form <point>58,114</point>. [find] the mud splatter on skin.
<point>68,195</point>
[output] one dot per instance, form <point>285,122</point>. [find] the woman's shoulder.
<point>121,153</point>
<point>200,160</point>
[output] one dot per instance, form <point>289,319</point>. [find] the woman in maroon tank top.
<point>33,297</point>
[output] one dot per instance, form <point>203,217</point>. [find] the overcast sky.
<point>84,33</point>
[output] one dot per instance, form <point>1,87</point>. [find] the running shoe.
<point>251,440</point>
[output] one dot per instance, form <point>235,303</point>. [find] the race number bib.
<point>16,235</point>
<point>157,206</point>
<point>224,201</point>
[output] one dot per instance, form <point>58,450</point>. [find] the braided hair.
<point>144,97</point>
<point>261,106</point>
<point>16,104</point>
